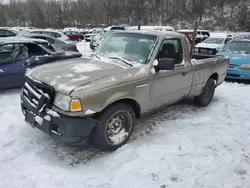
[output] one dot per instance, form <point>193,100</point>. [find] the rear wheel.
<point>207,94</point>
<point>115,128</point>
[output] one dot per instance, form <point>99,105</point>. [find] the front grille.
<point>38,95</point>
<point>207,51</point>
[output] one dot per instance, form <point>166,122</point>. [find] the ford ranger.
<point>98,98</point>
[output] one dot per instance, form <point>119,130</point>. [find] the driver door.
<point>171,86</point>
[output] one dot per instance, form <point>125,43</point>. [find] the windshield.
<point>214,40</point>
<point>237,47</point>
<point>128,46</point>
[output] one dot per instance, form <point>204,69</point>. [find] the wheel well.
<point>136,107</point>
<point>215,76</point>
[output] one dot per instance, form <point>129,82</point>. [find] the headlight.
<point>196,50</point>
<point>218,49</point>
<point>67,103</point>
<point>245,67</point>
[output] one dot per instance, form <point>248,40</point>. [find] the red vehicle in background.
<point>74,35</point>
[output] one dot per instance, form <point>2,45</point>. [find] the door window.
<point>34,50</point>
<point>171,48</point>
<point>13,52</point>
<point>9,33</point>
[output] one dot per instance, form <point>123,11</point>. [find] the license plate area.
<point>30,119</point>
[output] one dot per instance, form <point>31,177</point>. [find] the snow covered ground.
<point>181,146</point>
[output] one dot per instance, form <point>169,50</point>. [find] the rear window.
<point>53,34</point>
<point>117,28</point>
<point>37,32</point>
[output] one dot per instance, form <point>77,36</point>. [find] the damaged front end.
<point>36,104</point>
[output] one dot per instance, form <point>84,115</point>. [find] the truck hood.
<point>210,46</point>
<point>67,75</point>
<point>237,58</point>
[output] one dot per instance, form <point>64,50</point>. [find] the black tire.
<point>100,137</point>
<point>207,94</point>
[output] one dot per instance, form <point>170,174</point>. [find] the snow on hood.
<point>237,58</point>
<point>67,75</point>
<point>209,45</point>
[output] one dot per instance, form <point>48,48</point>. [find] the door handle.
<point>184,73</point>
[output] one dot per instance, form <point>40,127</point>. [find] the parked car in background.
<point>74,35</point>
<point>238,51</point>
<point>91,33</point>
<point>131,73</point>
<point>243,36</point>
<point>201,35</point>
<point>5,32</point>
<point>63,45</point>
<point>114,27</point>
<point>17,55</point>
<point>95,40</point>
<point>53,33</point>
<point>213,44</point>
<point>70,29</point>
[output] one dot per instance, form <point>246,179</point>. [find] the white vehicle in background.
<point>70,29</point>
<point>201,35</point>
<point>114,27</point>
<point>56,34</point>
<point>213,44</point>
<point>152,28</point>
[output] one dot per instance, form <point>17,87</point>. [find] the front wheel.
<point>207,94</point>
<point>116,126</point>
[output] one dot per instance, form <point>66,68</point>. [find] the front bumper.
<point>70,130</point>
<point>205,51</point>
<point>237,74</point>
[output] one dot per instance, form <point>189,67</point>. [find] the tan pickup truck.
<point>130,73</point>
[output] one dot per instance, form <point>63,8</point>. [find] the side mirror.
<point>165,64</point>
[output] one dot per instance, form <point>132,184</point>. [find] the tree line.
<point>211,14</point>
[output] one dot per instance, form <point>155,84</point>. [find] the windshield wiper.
<point>123,60</point>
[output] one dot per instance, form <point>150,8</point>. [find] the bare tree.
<point>211,14</point>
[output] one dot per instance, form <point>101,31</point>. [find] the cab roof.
<point>158,33</point>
